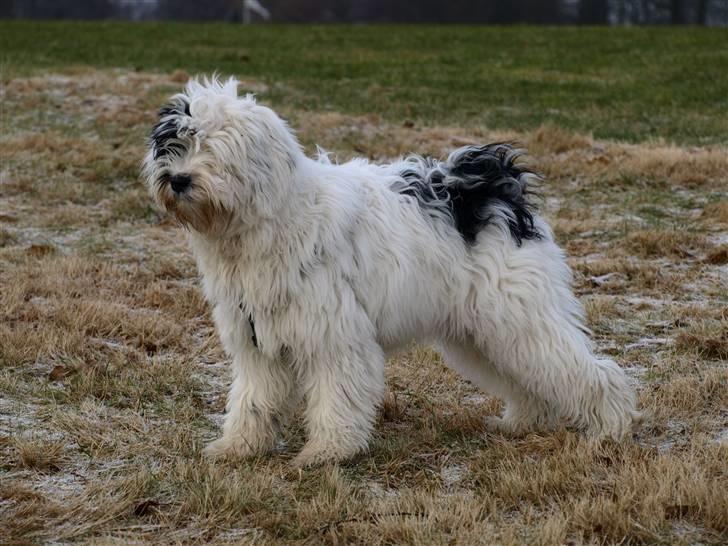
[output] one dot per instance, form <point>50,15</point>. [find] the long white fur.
<point>338,271</point>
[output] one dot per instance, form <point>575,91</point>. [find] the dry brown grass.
<point>707,338</point>
<point>718,255</point>
<point>717,212</point>
<point>112,378</point>
<point>39,454</point>
<point>660,243</point>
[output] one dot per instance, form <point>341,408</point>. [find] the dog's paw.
<point>223,448</point>
<point>315,455</point>
<point>518,428</point>
<point>217,449</point>
<point>505,427</point>
<point>310,457</point>
<point>496,425</point>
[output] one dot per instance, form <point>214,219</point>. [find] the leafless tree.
<point>7,8</point>
<point>677,12</point>
<point>702,15</point>
<point>594,12</point>
<point>64,9</point>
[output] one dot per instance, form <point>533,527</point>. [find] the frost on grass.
<point>112,378</point>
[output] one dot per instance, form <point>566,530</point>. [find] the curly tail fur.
<point>476,186</point>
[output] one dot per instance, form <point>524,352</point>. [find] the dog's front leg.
<point>257,404</point>
<point>260,398</point>
<point>343,384</point>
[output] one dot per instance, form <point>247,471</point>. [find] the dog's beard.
<point>192,208</point>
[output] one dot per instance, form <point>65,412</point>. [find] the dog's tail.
<point>474,187</point>
<point>486,184</point>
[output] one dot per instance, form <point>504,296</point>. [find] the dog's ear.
<point>164,138</point>
<point>271,151</point>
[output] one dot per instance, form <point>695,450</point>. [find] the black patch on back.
<point>423,188</point>
<point>485,176</point>
<point>165,134</point>
<point>474,186</point>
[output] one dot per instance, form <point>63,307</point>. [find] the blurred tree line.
<point>592,12</point>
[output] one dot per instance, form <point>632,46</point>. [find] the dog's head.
<point>215,157</point>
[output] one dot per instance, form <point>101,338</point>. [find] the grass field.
<point>633,84</point>
<point>112,378</point>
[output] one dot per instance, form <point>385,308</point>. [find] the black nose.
<point>180,182</point>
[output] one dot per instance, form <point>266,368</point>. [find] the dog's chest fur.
<point>264,288</point>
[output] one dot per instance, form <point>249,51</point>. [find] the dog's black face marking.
<point>475,185</point>
<point>165,134</point>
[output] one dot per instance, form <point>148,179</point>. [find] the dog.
<point>316,271</point>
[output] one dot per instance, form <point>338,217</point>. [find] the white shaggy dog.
<point>316,271</point>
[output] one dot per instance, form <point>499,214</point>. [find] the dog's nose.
<point>180,182</point>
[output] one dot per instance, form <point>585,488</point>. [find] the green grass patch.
<point>622,83</point>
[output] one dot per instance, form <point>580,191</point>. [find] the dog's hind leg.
<point>343,383</point>
<point>524,412</point>
<point>528,323</point>
<point>260,397</point>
